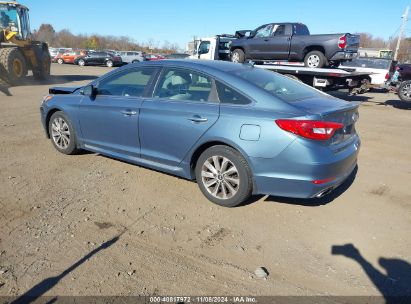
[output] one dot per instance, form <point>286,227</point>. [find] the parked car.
<point>177,56</point>
<point>53,52</point>
<point>380,69</point>
<point>132,56</point>
<point>70,57</point>
<point>57,57</point>
<point>153,57</point>
<point>99,58</point>
<point>293,42</point>
<point>236,129</point>
<point>400,82</point>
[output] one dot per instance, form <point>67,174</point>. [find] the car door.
<point>184,106</point>
<point>258,43</point>
<point>109,121</point>
<point>277,45</point>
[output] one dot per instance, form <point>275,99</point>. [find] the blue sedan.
<point>234,128</point>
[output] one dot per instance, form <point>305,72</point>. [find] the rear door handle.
<point>129,113</point>
<point>197,118</point>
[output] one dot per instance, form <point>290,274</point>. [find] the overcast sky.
<point>178,20</point>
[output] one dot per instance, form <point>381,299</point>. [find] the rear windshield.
<point>369,63</point>
<point>282,87</point>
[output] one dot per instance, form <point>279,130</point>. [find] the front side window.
<point>204,47</point>
<point>279,30</point>
<point>130,83</point>
<point>264,31</point>
<point>181,84</point>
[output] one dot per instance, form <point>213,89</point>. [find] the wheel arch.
<point>48,117</point>
<point>194,156</point>
<point>310,48</point>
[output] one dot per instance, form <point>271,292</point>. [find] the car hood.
<point>63,90</point>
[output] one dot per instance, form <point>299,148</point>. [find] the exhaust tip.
<point>324,192</point>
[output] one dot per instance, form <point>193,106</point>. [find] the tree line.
<point>66,39</point>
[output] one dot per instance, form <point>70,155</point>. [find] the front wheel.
<point>315,59</point>
<point>224,176</point>
<point>81,62</point>
<point>238,56</point>
<point>404,91</point>
<point>62,133</point>
<point>60,61</point>
<point>109,63</point>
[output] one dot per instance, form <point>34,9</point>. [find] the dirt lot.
<point>91,225</point>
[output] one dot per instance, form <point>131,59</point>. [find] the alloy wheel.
<point>220,177</point>
<point>406,90</point>
<point>60,133</point>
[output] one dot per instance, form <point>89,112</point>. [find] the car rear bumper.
<point>292,173</point>
<point>343,56</point>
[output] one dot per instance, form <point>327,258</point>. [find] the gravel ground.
<point>92,225</point>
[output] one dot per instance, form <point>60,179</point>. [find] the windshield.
<point>8,16</point>
<point>282,87</point>
<point>372,63</point>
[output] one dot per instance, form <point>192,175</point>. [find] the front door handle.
<point>198,118</point>
<point>129,113</point>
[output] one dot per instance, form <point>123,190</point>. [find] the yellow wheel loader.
<point>18,52</point>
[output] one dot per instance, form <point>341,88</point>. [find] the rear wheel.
<point>109,63</point>
<point>60,61</point>
<point>42,72</point>
<point>238,56</point>
<point>62,133</point>
<point>81,62</point>
<point>14,64</point>
<point>315,59</point>
<point>224,176</point>
<point>404,91</point>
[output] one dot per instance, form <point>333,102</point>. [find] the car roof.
<point>216,65</point>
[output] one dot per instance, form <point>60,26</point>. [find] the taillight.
<point>311,129</point>
<point>387,76</point>
<point>342,42</point>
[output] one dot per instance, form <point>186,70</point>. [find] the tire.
<point>14,65</point>
<point>238,56</point>
<point>42,72</point>
<point>135,61</point>
<point>60,61</point>
<point>81,62</point>
<point>236,186</point>
<point>315,59</point>
<point>59,125</point>
<point>109,63</point>
<point>404,91</point>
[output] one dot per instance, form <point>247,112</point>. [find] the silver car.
<point>132,56</point>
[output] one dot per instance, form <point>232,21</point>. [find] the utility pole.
<point>404,22</point>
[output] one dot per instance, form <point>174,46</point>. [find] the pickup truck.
<point>293,42</point>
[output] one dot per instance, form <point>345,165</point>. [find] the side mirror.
<point>89,90</point>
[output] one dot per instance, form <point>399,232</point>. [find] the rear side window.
<point>228,95</point>
<point>301,30</point>
<point>130,83</point>
<point>280,86</point>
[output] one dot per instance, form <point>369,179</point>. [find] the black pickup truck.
<point>293,42</point>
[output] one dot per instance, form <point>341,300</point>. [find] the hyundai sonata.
<point>234,128</point>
